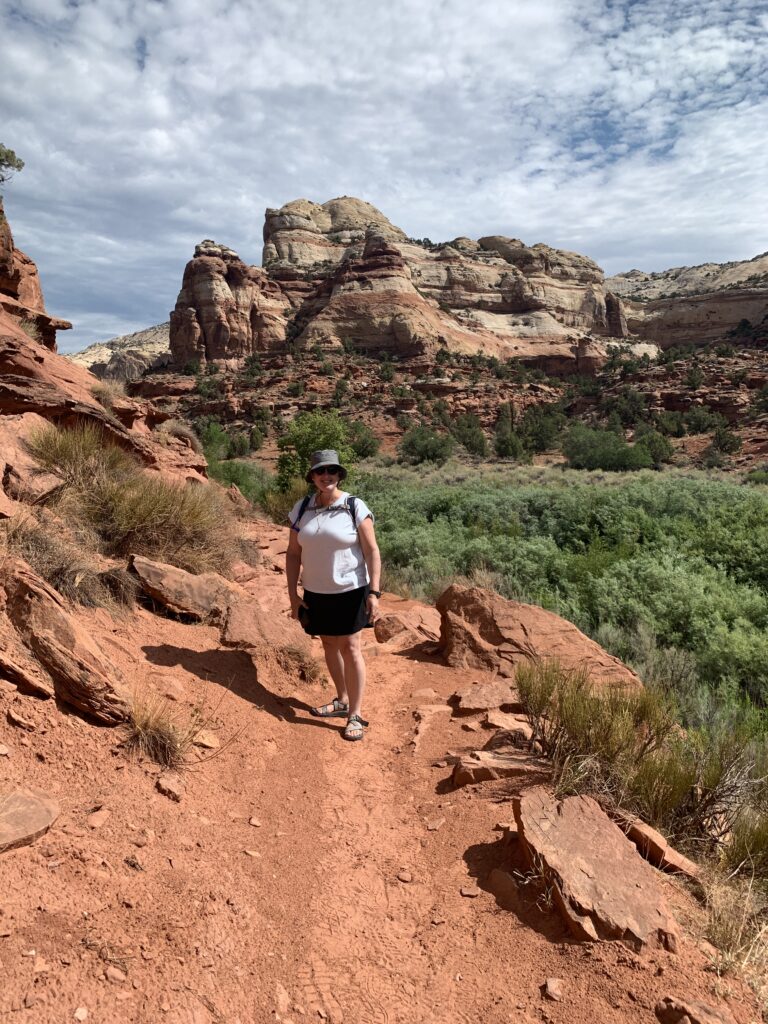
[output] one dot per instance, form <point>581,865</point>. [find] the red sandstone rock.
<point>654,847</point>
<point>480,629</point>
<point>25,815</point>
<point>200,597</point>
<point>678,1011</point>
<point>484,765</point>
<point>80,673</point>
<point>600,884</point>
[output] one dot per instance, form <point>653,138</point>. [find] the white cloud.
<point>630,131</point>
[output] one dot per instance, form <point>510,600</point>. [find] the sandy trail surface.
<point>300,877</point>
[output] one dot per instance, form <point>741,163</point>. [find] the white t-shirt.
<point>332,558</point>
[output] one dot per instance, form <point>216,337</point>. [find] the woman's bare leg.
<point>354,670</point>
<point>335,662</point>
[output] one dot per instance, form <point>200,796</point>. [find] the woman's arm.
<point>292,570</point>
<point>372,557</point>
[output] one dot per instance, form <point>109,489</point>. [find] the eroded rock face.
<point>57,647</point>
<point>226,310</point>
<point>21,295</point>
<point>601,885</point>
<point>480,629</point>
<point>341,273</point>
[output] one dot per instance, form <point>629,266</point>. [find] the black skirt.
<point>335,614</point>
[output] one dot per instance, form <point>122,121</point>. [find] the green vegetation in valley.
<point>666,566</point>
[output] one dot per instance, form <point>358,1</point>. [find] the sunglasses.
<point>330,470</point>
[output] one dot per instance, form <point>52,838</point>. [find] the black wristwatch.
<point>376,593</point>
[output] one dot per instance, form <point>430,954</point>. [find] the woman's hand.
<point>296,603</point>
<point>372,607</point>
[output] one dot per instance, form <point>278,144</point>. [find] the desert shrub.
<point>386,371</point>
<point>340,391</point>
<point>255,439</point>
<point>700,419</point>
<point>757,476</point>
<point>422,444</point>
<point>630,405</point>
<point>724,440</point>
<point>694,377</point>
<point>209,386</point>
<point>747,846</point>
<point>670,423</point>
<point>184,524</point>
<point>625,745</point>
<point>603,449</point>
<point>238,446</point>
<point>655,443</point>
<point>253,481</point>
<point>295,389</point>
<point>183,431</point>
<point>278,501</point>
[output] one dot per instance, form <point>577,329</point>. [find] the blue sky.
<point>633,132</point>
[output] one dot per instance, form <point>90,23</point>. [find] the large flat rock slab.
<point>487,697</point>
<point>486,765</point>
<point>600,884</point>
<point>25,815</point>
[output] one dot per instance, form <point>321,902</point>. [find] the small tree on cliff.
<point>9,163</point>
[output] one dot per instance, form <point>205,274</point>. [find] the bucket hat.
<point>326,457</point>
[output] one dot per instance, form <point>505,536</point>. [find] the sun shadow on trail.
<point>236,672</point>
<point>500,869</point>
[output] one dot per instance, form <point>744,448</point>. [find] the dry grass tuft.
<point>158,731</point>
<point>182,431</point>
<point>68,567</point>
<point>737,925</point>
<point>132,511</point>
<point>107,392</point>
<point>31,329</point>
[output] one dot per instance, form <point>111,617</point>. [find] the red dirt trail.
<point>271,891</point>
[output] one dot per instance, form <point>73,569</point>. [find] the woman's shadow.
<point>237,672</point>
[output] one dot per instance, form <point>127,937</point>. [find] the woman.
<point>333,544</point>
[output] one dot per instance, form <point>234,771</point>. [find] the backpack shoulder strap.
<point>302,509</point>
<point>352,508</point>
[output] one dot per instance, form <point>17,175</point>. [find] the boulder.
<point>25,815</point>
<point>600,884</point>
<point>68,658</point>
<point>480,629</point>
<point>203,597</point>
<point>678,1011</point>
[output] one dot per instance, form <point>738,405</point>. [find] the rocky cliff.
<point>341,274</point>
<point>127,357</point>
<point>694,305</point>
<point>21,296</point>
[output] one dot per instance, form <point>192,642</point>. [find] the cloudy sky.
<point>633,131</point>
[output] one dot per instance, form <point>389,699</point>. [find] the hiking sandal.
<point>353,730</point>
<point>336,709</point>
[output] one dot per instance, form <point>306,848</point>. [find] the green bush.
<point>467,429</point>
<point>422,444</point>
<point>603,449</point>
<point>699,419</point>
<point>363,440</point>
